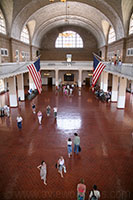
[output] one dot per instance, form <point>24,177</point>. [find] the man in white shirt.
<point>55,112</point>
<point>19,122</point>
<point>94,194</point>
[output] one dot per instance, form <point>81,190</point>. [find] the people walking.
<point>55,112</point>
<point>94,194</point>
<point>48,110</point>
<point>7,110</point>
<point>43,171</point>
<point>61,166</point>
<point>76,143</point>
<point>19,122</point>
<point>69,147</point>
<point>39,115</point>
<point>81,189</point>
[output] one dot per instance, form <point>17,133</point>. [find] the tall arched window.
<point>69,39</point>
<point>2,23</point>
<point>131,25</point>
<point>111,36</point>
<point>25,35</point>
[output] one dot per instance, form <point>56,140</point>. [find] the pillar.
<point>31,83</point>
<point>80,79</point>
<point>122,93</point>
<point>114,95</point>
<point>2,85</point>
<point>101,81</point>
<point>12,92</point>
<point>132,87</point>
<point>105,81</point>
<point>56,78</point>
<point>20,83</point>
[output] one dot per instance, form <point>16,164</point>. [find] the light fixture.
<point>68,74</point>
<point>46,74</point>
<point>60,0</point>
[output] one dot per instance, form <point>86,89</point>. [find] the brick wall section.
<point>5,43</point>
<point>12,45</point>
<point>49,52</point>
<point>129,44</point>
<point>18,45</point>
<point>121,46</point>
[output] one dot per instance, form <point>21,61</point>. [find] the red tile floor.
<point>107,148</point>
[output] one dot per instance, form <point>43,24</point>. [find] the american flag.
<point>98,67</point>
<point>34,70</point>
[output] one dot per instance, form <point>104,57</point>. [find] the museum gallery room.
<point>66,100</point>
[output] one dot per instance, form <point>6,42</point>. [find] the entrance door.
<point>87,81</point>
<point>50,81</point>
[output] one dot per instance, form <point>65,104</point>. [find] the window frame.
<point>63,40</point>
<point>2,23</point>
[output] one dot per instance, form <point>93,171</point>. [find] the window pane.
<point>111,37</point>
<point>25,35</point>
<point>69,39</point>
<point>131,25</point>
<point>2,23</point>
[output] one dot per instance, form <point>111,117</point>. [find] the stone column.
<point>31,83</point>
<point>122,93</point>
<point>20,84</point>
<point>80,79</point>
<point>105,81</point>
<point>132,87</point>
<point>114,96</point>
<point>12,92</point>
<point>56,78</point>
<point>101,81</point>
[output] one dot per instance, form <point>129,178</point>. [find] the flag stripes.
<point>34,70</point>
<point>98,68</point>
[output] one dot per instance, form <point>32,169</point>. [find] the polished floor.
<point>106,158</point>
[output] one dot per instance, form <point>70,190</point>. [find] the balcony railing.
<point>13,69</point>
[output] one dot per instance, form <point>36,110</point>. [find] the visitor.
<point>43,171</point>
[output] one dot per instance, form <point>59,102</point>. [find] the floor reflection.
<point>71,123</point>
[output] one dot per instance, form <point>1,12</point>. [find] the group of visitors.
<point>5,111</point>
<point>103,96</point>
<point>48,112</point>
<point>81,190</point>
<point>39,115</point>
<point>68,90</point>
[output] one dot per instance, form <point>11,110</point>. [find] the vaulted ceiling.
<point>42,16</point>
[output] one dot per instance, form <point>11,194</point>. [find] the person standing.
<point>48,109</point>
<point>34,108</point>
<point>55,112</point>
<point>39,115</point>
<point>43,171</point>
<point>94,194</point>
<point>76,143</point>
<point>81,189</point>
<point>69,147</point>
<point>19,122</point>
<point>71,91</point>
<point>61,166</point>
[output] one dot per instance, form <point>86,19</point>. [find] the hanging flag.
<point>98,67</point>
<point>34,70</point>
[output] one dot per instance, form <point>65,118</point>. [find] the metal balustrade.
<point>13,69</point>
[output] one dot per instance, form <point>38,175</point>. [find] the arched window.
<point>2,23</point>
<point>131,25</point>
<point>111,36</point>
<point>69,39</point>
<point>25,35</point>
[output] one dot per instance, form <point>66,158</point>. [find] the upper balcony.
<point>13,69</point>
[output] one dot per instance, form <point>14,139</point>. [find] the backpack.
<point>93,196</point>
